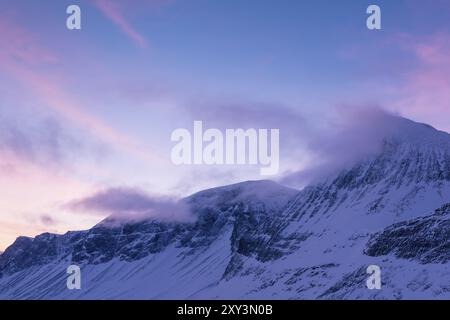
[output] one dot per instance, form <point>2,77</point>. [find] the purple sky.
<point>88,110</point>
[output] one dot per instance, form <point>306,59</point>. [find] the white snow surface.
<point>320,235</point>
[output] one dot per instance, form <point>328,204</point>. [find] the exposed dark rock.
<point>426,239</point>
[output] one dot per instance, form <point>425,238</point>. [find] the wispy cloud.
<point>22,57</point>
<point>47,220</point>
<point>425,93</point>
<point>114,11</point>
<point>132,204</point>
<point>351,135</point>
<point>43,142</point>
<point>241,113</point>
<point>19,46</point>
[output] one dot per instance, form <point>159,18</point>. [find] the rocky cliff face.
<point>425,239</point>
<point>249,211</point>
<point>262,240</point>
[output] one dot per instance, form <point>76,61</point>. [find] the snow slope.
<point>258,239</point>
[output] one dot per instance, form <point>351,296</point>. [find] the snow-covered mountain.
<point>259,239</point>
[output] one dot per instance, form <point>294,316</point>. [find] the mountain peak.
<point>250,185</point>
<point>272,194</point>
<point>404,130</point>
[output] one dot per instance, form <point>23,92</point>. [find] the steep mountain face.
<point>262,240</point>
<point>233,221</point>
<point>425,239</point>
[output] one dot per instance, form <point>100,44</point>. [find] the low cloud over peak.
<point>352,135</point>
<point>132,204</point>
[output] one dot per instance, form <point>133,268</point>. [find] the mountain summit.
<point>258,239</point>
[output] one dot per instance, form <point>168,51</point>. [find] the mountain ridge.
<point>258,239</point>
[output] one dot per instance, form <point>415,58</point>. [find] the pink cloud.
<point>113,11</point>
<point>22,56</point>
<point>425,93</point>
<point>17,45</point>
<point>54,97</point>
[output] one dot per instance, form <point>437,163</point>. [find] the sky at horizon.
<point>84,111</point>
